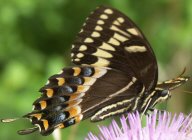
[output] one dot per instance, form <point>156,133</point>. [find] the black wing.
<point>110,39</point>
<point>120,66</point>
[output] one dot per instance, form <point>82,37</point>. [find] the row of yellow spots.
<point>97,34</point>
<point>101,22</point>
<point>73,111</point>
<point>114,40</point>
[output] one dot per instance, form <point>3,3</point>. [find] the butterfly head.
<point>162,91</point>
<point>162,94</point>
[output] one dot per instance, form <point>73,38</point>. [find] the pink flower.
<point>159,126</point>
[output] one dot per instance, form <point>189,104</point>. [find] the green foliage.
<point>35,40</point>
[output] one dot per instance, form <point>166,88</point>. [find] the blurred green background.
<point>35,41</point>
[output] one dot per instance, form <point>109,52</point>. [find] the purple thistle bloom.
<point>159,126</point>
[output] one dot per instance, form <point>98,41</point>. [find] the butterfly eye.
<point>164,93</point>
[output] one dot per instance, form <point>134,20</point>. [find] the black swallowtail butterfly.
<point>116,72</point>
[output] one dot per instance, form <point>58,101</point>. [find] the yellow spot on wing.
<point>76,96</point>
<point>77,71</point>
<point>106,46</point>
<point>104,16</point>
<point>73,111</point>
<point>116,23</point>
<point>78,118</point>
<point>115,28</point>
<point>99,72</point>
<point>82,48</point>
<point>74,102</point>
<point>80,55</point>
<point>133,31</point>
<point>98,28</point>
<point>72,54</point>
<point>88,40</point>
<point>38,116</point>
<point>76,59</point>
<point>133,49</point>
<point>81,31</point>
<point>95,34</point>
<point>121,20</point>
<point>45,124</point>
<point>82,88</point>
<point>101,62</point>
<point>114,42</point>
<point>101,53</point>
<point>43,104</point>
<point>61,126</point>
<point>49,92</point>
<point>100,22</point>
<point>61,81</point>
<point>120,37</point>
<point>108,11</point>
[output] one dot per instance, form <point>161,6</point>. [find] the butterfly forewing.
<point>110,39</point>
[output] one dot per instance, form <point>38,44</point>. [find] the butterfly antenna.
<point>184,70</point>
<point>190,92</point>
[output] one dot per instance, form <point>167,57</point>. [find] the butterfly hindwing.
<point>110,39</point>
<point>61,98</point>
<point>78,93</point>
